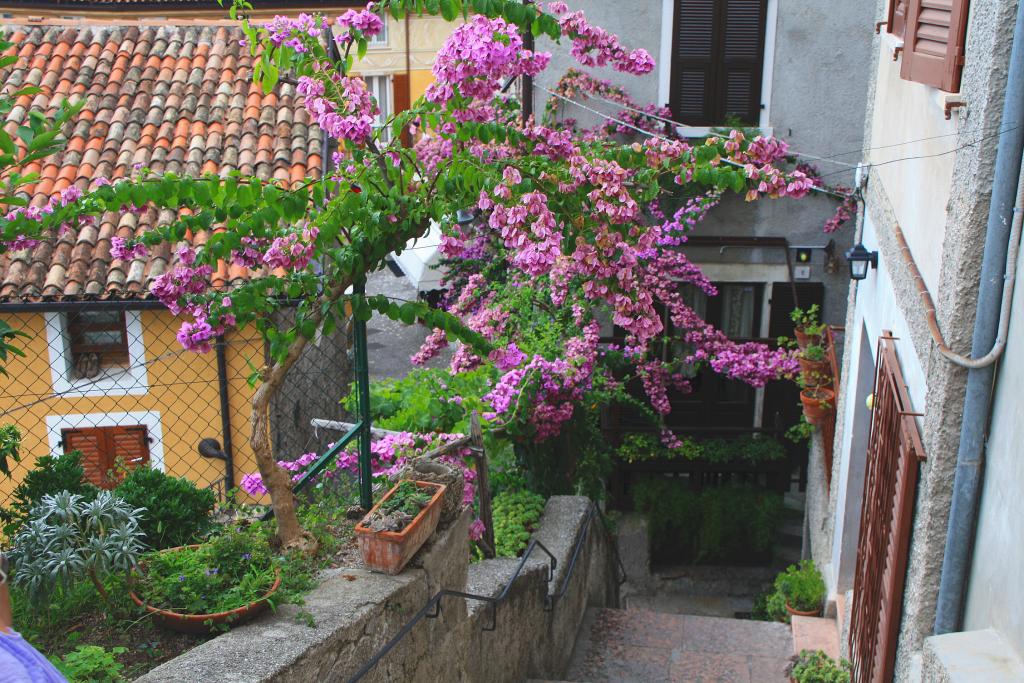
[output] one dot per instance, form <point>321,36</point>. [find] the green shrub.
<point>91,664</point>
<point>725,524</point>
<point>50,476</point>
<point>179,510</point>
<point>516,514</point>
<point>801,586</point>
<point>770,606</point>
<point>229,571</point>
<point>818,667</point>
<point>68,539</point>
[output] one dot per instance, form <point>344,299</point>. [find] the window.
<point>96,352</point>
<point>933,34</point>
<point>97,340</point>
<point>380,87</point>
<point>381,39</point>
<point>108,451</point>
<point>717,61</point>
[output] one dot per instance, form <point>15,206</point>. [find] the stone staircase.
<point>644,646</point>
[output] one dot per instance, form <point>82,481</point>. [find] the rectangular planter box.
<point>390,551</point>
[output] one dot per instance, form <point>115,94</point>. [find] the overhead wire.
<point>685,125</point>
<point>815,188</point>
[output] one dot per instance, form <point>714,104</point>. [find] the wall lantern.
<point>861,260</point>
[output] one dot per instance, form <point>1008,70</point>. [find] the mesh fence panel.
<point>113,382</point>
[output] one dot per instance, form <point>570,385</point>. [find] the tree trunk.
<point>277,480</point>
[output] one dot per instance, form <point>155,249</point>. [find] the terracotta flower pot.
<point>803,340</point>
<point>818,403</point>
<point>197,624</point>
<point>800,613</point>
<point>390,551</point>
<point>815,372</point>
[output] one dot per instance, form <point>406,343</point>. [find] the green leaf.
<point>449,10</point>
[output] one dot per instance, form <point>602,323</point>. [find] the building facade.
<point>882,531</point>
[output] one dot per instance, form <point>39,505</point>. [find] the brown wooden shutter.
<point>131,444</point>
<point>102,446</point>
<point>92,444</point>
<point>718,56</point>
<point>897,20</point>
<point>401,98</point>
<point>933,50</point>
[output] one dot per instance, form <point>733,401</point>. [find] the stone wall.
<point>356,612</point>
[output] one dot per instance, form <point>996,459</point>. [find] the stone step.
<point>698,605</point>
<point>643,646</point>
<point>814,633</point>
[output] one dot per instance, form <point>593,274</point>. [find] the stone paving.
<point>391,342</point>
<point>642,646</point>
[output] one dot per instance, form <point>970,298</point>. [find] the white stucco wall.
<point>875,312</point>
<point>996,587</point>
<point>908,120</point>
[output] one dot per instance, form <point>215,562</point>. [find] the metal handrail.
<point>321,463</point>
<point>432,609</point>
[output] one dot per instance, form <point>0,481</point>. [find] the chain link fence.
<point>109,379</point>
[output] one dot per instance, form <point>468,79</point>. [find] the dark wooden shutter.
<point>401,98</point>
<point>933,50</point>
<point>717,61</point>
<point>92,444</point>
<point>743,54</point>
<point>693,60</point>
<point>897,20</point>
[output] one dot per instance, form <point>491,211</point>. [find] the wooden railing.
<point>893,454</point>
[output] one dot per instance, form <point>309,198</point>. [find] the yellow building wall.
<point>182,389</point>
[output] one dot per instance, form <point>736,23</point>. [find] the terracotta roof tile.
<point>170,98</point>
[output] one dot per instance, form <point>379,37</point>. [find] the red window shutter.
<point>897,20</point>
<point>92,444</point>
<point>742,60</point>
<point>130,444</point>
<point>933,50</point>
<point>693,62</point>
<point>102,446</point>
<point>401,98</point>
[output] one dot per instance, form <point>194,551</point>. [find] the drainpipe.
<point>225,414</point>
<point>960,534</point>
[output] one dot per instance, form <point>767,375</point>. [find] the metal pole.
<point>527,93</point>
<point>225,415</point>
<point>363,388</point>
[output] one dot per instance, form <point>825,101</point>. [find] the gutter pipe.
<point>956,561</point>
<point>225,414</point>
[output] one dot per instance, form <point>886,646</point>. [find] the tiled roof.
<point>178,99</point>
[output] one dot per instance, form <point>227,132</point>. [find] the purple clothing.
<point>21,663</point>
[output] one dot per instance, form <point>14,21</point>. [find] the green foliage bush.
<point>229,571</point>
<point>68,539</point>
<point>516,514</point>
<point>49,476</point>
<point>725,524</point>
<point>802,586</point>
<point>179,510</point>
<point>818,667</point>
<point>426,400</point>
<point>91,664</point>
<point>751,449</point>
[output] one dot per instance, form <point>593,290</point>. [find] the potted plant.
<point>814,367</point>
<point>210,586</point>
<point>817,667</point>
<point>818,402</point>
<point>399,524</point>
<point>807,327</point>
<point>802,588</point>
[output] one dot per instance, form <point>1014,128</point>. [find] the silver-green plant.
<point>67,539</point>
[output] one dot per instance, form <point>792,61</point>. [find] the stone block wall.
<point>356,612</point>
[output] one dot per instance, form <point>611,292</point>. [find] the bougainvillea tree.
<point>572,229</point>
